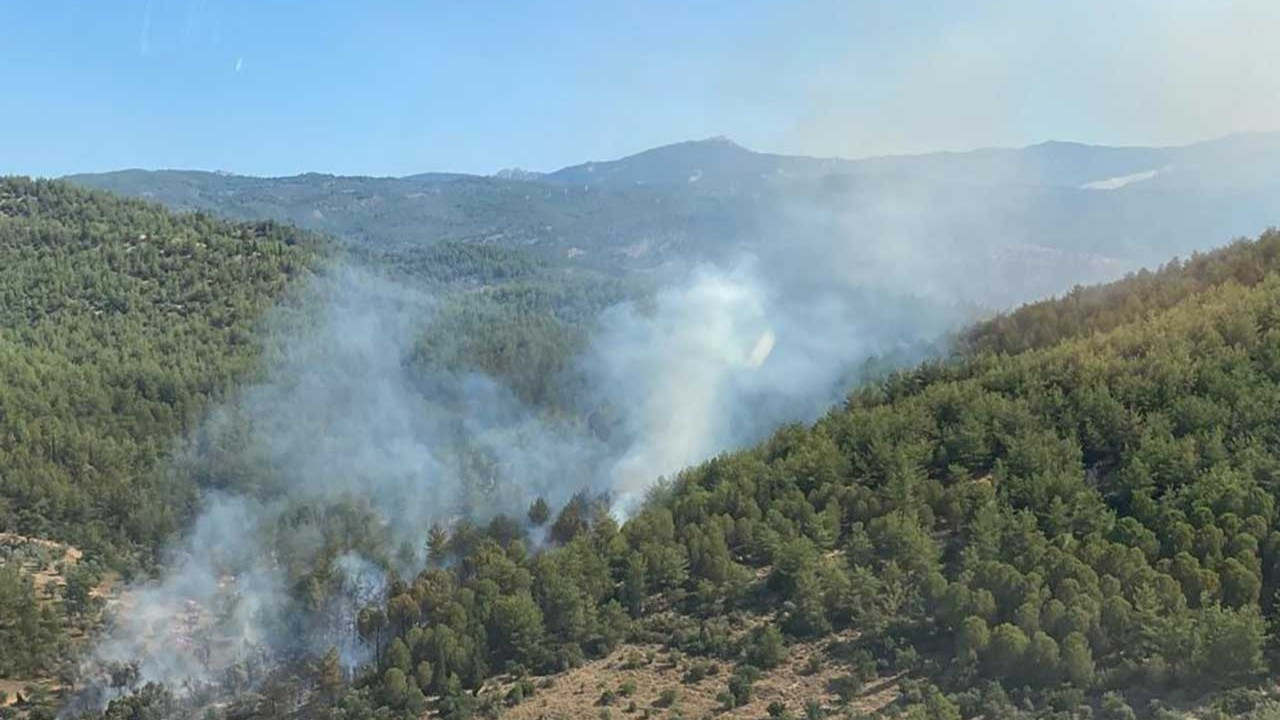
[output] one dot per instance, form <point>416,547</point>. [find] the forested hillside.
<point>1068,531</point>
<point>123,325</point>
<point>1073,516</point>
<point>1094,309</point>
<point>506,312</point>
<point>1033,220</point>
<point>119,322</point>
<point>603,227</point>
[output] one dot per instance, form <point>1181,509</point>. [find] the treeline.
<point>1100,308</point>
<point>1048,534</point>
<point>119,321</point>
<point>451,262</point>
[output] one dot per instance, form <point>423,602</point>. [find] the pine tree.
<point>635,585</point>
<point>539,513</point>
<point>329,675</point>
<point>437,545</point>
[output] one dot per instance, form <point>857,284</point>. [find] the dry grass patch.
<point>648,681</point>
<point>45,561</point>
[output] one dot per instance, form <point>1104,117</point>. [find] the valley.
<point>527,466</point>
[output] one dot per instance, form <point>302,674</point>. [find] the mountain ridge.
<point>1237,138</point>
<point>1101,211</point>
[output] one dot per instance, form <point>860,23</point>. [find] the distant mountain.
<point>716,163</point>
<point>1030,221</point>
<point>610,227</point>
<point>721,164</point>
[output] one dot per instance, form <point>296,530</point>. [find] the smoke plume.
<point>332,469</point>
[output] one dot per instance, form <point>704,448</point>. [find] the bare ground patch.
<point>577,694</point>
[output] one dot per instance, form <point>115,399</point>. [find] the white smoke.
<point>341,456</point>
<point>720,360</point>
<point>335,466</point>
<point>171,618</point>
<point>671,369</point>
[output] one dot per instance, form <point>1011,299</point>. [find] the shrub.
<point>846,687</point>
<point>698,671</point>
<point>740,685</point>
<point>666,698</point>
<point>767,648</point>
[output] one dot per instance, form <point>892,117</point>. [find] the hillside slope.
<point>119,322</point>
<point>1062,532</point>
<point>125,327</point>
<point>1099,513</point>
<point>1099,308</point>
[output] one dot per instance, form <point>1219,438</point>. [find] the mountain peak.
<point>715,143</point>
<point>715,161</point>
<point>721,140</point>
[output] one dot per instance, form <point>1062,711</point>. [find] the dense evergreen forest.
<point>122,324</point>
<point>1074,518</point>
<point>509,313</point>
<point>119,321</point>
<point>119,324</point>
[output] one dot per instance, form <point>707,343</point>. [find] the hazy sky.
<point>383,87</point>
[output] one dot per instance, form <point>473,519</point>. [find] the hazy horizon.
<point>390,88</point>
<point>585,161</point>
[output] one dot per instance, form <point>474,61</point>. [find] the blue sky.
<point>380,87</point>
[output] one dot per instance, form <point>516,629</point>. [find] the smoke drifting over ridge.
<point>346,453</point>
<point>336,465</point>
